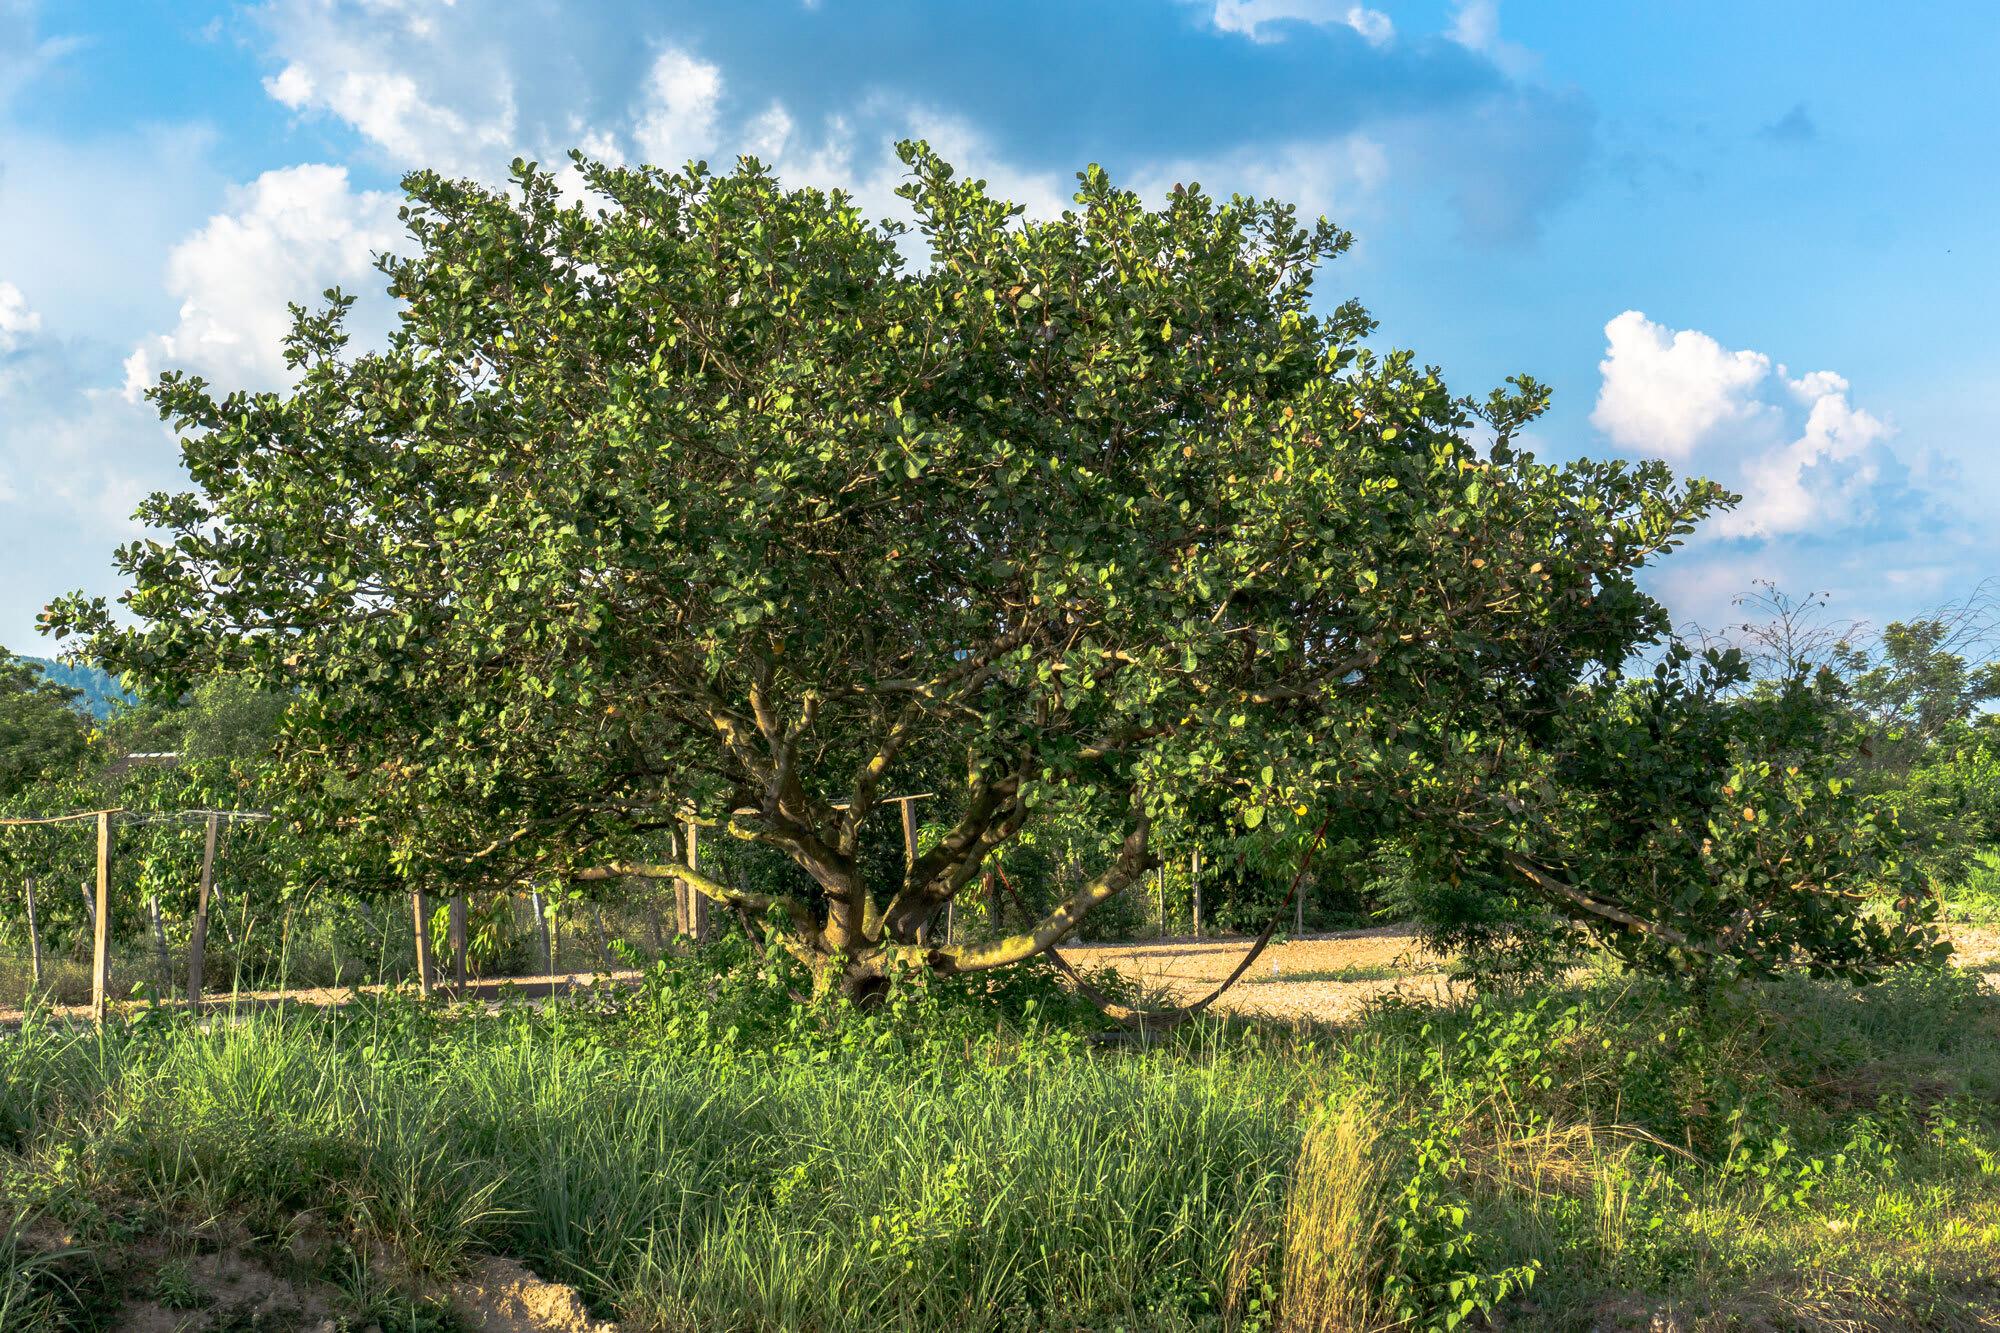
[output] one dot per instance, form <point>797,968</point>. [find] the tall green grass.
<point>694,1158</point>
<point>1976,898</point>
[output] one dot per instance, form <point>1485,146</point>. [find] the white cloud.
<point>598,145</point>
<point>1805,459</point>
<point>1044,194</point>
<point>1825,477</point>
<point>1331,178</point>
<point>386,106</point>
<point>1475,25</point>
<point>422,95</point>
<point>1666,392</point>
<point>1372,24</point>
<point>287,236</point>
<point>17,322</point>
<point>857,154</point>
<point>767,135</point>
<point>1249,17</point>
<point>433,84</point>
<point>293,86</point>
<point>676,121</point>
<point>75,460</point>
<point>83,223</point>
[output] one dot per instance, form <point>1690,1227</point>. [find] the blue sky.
<point>1758,240</point>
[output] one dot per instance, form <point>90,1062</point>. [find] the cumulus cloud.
<point>1667,391</point>
<point>1828,476</point>
<point>420,95</point>
<point>466,88</point>
<point>1253,18</point>
<point>17,322</point>
<point>285,238</point>
<point>676,122</point>
<point>768,134</point>
<point>1805,459</point>
<point>386,106</point>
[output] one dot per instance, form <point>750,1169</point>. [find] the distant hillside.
<point>100,692</point>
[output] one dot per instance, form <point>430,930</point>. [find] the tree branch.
<point>728,895</point>
<point>1058,925</point>
<point>1549,884</point>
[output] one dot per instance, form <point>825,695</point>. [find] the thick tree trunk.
<point>864,989</point>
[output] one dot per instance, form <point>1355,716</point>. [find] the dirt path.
<point>1314,976</point>
<point>1334,977</point>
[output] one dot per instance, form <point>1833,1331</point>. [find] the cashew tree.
<point>703,499</point>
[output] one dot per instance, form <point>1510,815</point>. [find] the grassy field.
<point>705,1155</point>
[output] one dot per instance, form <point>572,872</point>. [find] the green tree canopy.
<point>712,499</point>
<point>41,732</point>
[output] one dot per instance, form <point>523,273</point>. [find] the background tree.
<point>41,731</point>
<point>704,501</point>
<point>1914,704</point>
<point>1922,690</point>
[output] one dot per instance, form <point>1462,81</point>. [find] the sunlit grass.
<point>868,1176</point>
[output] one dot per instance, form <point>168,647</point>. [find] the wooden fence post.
<point>697,900</point>
<point>160,954</point>
<point>420,908</point>
<point>458,940</point>
<point>1195,871</point>
<point>100,965</point>
<point>1160,889</point>
<point>34,936</point>
<point>198,940</point>
<point>909,808</point>
<point>683,911</point>
<point>542,926</point>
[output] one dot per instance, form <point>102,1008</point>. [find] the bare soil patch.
<point>503,1296</point>
<point>1381,962</point>
<point>1302,977</point>
<point>229,1283</point>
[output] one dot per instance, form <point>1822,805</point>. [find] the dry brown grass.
<point>1335,1225</point>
